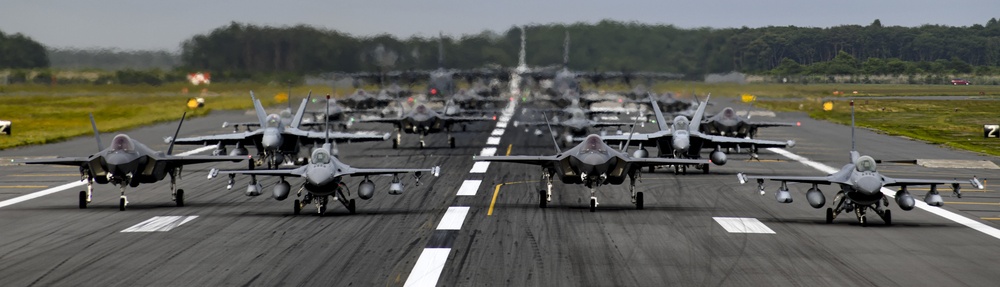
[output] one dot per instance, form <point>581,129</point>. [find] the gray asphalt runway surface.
<point>461,229</point>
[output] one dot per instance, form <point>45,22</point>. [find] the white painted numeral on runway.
<point>480,167</point>
<point>493,141</point>
<point>469,187</point>
<point>160,223</point>
<point>743,225</point>
<point>489,151</point>
<point>453,218</point>
<point>428,267</point>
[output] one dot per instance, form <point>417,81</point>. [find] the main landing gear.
<point>321,201</point>
<point>860,211</point>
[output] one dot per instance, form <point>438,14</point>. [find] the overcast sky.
<point>139,24</point>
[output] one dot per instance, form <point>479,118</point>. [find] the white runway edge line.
<point>975,225</point>
<point>160,223</point>
<point>743,225</point>
<point>45,192</point>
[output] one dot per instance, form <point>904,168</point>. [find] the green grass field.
<point>42,114</point>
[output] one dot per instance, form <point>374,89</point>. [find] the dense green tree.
<point>20,52</point>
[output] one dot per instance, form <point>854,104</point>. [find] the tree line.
<point>21,52</point>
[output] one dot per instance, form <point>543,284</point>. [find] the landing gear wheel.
<point>83,199</point>
<point>395,143</point>
<point>322,210</point>
<point>651,168</point>
<point>298,207</point>
<point>638,200</point>
<point>421,144</point>
<point>180,198</point>
<point>863,220</point>
<point>121,204</point>
<point>542,200</point>
<point>684,169</point>
<point>829,215</point>
<point>677,169</point>
<point>887,217</point>
<point>464,128</point>
<point>593,205</point>
<point>704,169</point>
<point>451,142</point>
<point>350,207</point>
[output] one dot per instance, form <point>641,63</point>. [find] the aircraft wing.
<point>772,124</point>
<point>888,181</point>
<point>646,139</point>
<point>71,161</point>
<point>380,120</point>
<point>829,179</point>
<point>247,138</point>
<point>522,159</point>
<point>300,172</point>
<point>393,171</point>
<point>321,137</point>
<point>658,161</point>
<point>196,159</point>
<point>598,124</point>
<point>451,120</point>
<point>725,142</point>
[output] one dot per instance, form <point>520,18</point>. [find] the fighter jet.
<point>128,162</point>
<point>684,140</point>
<point>423,120</point>
<point>591,163</point>
<point>728,123</point>
<point>363,100</point>
<point>861,188</point>
<point>275,142</point>
<point>575,122</point>
<point>324,177</point>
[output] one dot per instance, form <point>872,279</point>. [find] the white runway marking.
<point>469,187</point>
<point>497,132</point>
<point>501,125</point>
<point>428,267</point>
<point>160,223</point>
<point>488,151</point>
<point>743,225</point>
<point>45,192</point>
<point>493,141</point>
<point>453,218</point>
<point>976,225</point>
<point>480,167</point>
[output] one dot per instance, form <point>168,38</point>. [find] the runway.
<point>496,235</point>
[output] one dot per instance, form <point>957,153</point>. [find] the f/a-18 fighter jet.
<point>324,177</point>
<point>127,162</point>
<point>274,141</point>
<point>423,120</point>
<point>862,187</point>
<point>591,163</point>
<point>684,140</point>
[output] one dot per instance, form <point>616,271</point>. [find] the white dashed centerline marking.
<point>489,151</point>
<point>160,223</point>
<point>976,225</point>
<point>743,225</point>
<point>428,267</point>
<point>469,187</point>
<point>497,132</point>
<point>480,167</point>
<point>493,141</point>
<point>453,218</point>
<point>45,192</point>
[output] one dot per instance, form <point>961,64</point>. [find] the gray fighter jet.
<point>728,123</point>
<point>423,120</point>
<point>861,188</point>
<point>128,162</point>
<point>275,142</point>
<point>324,177</point>
<point>684,140</point>
<point>591,163</point>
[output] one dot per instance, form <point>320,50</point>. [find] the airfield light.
<point>798,124</point>
<point>434,91</point>
<point>494,117</point>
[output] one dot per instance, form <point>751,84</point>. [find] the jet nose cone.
<point>271,141</point>
<point>681,143</point>
<point>319,177</point>
<point>591,159</point>
<point>869,184</point>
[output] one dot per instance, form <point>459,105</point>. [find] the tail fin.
<point>566,51</point>
<point>441,50</point>
<point>170,148</point>
<point>660,121</point>
<point>521,61</point>
<point>854,151</point>
<point>551,133</point>
<point>97,134</point>
<point>261,114</point>
<point>632,132</point>
<point>297,118</point>
<point>699,114</point>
